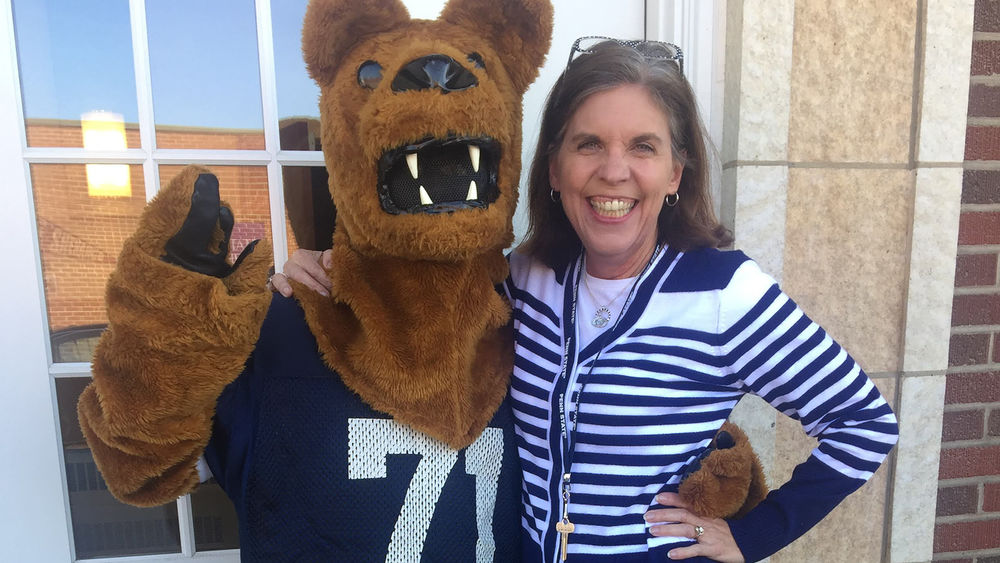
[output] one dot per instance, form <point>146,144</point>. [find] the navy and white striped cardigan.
<point>703,329</point>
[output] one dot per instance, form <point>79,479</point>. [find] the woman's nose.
<point>615,167</point>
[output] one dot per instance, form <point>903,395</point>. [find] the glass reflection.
<point>300,133</point>
<point>75,58</point>
<point>244,189</point>
<point>298,95</point>
<point>80,234</point>
<point>103,526</point>
<point>206,81</point>
<point>215,522</point>
<point>310,210</point>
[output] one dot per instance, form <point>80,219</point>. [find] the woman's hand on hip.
<point>714,539</point>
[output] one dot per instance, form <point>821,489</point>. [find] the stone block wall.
<point>844,174</point>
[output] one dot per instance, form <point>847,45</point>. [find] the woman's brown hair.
<point>689,224</point>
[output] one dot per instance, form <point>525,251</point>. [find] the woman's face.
<point>613,171</point>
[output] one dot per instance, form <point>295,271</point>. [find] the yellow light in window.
<point>105,131</point>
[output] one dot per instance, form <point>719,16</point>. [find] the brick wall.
<point>968,505</point>
<point>68,133</point>
<point>171,137</point>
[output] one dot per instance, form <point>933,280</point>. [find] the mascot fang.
<point>373,424</point>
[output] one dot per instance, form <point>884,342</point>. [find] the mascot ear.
<point>519,31</point>
<point>332,27</point>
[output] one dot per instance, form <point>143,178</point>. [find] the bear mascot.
<point>372,424</point>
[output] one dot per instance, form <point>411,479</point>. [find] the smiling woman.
<point>615,412</point>
<point>613,172</point>
<point>663,132</point>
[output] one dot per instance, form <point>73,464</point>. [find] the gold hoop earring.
<point>553,196</point>
<point>668,203</point>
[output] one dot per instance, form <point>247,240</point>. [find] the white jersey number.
<point>372,440</point>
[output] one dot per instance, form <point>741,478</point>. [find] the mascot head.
<point>422,120</point>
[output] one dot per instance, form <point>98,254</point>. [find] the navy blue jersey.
<point>318,475</point>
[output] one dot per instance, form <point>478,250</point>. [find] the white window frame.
<point>39,418</point>
<point>698,27</point>
<point>35,510</point>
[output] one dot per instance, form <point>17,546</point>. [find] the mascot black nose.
<point>434,71</point>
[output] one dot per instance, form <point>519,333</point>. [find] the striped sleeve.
<point>775,351</point>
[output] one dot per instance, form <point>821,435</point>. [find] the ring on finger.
<point>698,531</point>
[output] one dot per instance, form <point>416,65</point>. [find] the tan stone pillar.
<point>842,157</point>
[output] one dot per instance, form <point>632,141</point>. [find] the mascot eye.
<point>369,74</point>
<point>477,60</point>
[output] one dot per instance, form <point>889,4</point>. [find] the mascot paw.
<point>182,322</point>
<point>202,242</point>
<point>187,225</point>
<point>173,289</point>
<point>727,480</point>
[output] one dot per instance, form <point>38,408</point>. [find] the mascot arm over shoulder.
<point>182,322</point>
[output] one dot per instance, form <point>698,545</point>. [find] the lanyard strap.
<point>567,431</point>
<point>570,332</point>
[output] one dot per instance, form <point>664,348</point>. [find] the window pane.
<point>244,188</point>
<point>299,133</point>
<point>84,214</point>
<point>102,526</point>
<point>310,210</point>
<point>298,95</point>
<point>206,82</point>
<point>215,523</point>
<point>293,245</point>
<point>77,74</point>
<point>424,9</point>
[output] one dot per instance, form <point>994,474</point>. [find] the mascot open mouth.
<point>439,175</point>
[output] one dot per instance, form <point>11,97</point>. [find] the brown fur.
<point>413,323</point>
<point>434,347</point>
<point>730,482</point>
<point>359,124</point>
<point>175,339</point>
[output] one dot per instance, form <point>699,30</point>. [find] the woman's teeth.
<point>612,207</point>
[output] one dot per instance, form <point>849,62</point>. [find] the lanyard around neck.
<point>568,424</point>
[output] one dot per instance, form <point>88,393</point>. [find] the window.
<point>116,97</point>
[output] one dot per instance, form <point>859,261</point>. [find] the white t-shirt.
<point>592,295</point>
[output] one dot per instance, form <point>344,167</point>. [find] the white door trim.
<point>34,510</point>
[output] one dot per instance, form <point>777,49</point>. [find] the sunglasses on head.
<point>651,50</point>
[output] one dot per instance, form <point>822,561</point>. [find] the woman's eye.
<point>369,74</point>
<point>645,148</point>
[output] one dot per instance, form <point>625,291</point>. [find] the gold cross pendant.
<point>565,528</point>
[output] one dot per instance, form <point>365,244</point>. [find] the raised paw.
<point>202,242</point>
